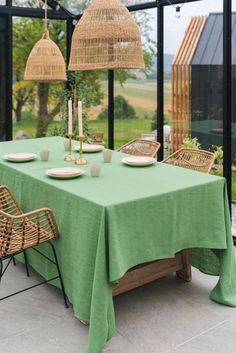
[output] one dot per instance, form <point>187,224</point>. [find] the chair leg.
<point>59,274</point>
<point>26,263</point>
<point>14,261</point>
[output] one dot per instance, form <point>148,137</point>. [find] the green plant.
<point>219,154</point>
<point>191,143</point>
<point>218,170</point>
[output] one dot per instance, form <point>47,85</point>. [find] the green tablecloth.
<point>125,217</point>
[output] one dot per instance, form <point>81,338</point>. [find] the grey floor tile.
<point>60,336</point>
<point>220,339</point>
<point>119,343</point>
<point>168,316</point>
<point>160,316</point>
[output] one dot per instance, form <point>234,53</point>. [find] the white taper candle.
<point>80,118</point>
<point>70,119</point>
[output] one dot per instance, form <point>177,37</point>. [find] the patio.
<point>167,316</point>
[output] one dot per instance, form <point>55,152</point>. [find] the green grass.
<point>234,186</point>
<point>29,124</point>
<point>125,130</point>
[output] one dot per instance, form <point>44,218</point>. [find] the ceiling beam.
<point>32,12</point>
<point>63,14</point>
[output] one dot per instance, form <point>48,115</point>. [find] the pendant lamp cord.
<point>46,18</point>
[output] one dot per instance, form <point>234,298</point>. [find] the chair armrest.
<point>43,217</point>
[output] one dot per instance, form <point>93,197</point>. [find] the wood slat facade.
<point>181,81</point>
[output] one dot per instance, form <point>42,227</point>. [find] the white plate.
<point>139,161</point>
<point>64,173</point>
<point>20,157</point>
<point>87,148</point>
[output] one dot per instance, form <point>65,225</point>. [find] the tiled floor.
<point>168,316</point>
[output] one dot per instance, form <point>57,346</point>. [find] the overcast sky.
<point>175,28</point>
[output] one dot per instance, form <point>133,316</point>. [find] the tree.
<point>23,92</point>
<point>122,110</point>
<point>84,86</point>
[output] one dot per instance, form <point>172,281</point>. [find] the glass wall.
<point>27,3</point>
<point>136,91</point>
<point>37,108</point>
<point>77,7</point>
<point>194,80</point>
<point>234,117</point>
<point>98,112</point>
<point>3,81</point>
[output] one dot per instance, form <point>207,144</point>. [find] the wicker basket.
<point>106,37</point>
<point>45,62</point>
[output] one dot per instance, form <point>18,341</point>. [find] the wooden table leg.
<point>185,273</point>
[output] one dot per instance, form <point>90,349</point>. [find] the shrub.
<point>191,143</point>
<point>122,110</point>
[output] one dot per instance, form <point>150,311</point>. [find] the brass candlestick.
<point>80,160</point>
<point>69,157</point>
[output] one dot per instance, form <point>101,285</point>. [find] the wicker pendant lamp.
<point>45,62</point>
<point>106,37</point>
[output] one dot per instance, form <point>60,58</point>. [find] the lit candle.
<point>70,120</point>
<point>80,119</point>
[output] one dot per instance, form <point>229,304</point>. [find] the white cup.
<point>107,156</point>
<point>44,155</point>
<point>67,145</point>
<point>95,169</point>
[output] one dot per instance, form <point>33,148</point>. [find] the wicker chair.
<point>139,147</point>
<point>20,231</point>
<point>97,138</point>
<point>189,158</point>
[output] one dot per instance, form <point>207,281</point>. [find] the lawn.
<point>125,130</point>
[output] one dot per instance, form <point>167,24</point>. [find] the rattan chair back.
<point>140,147</point>
<point>8,204</point>
<point>190,158</point>
<point>18,230</point>
<point>97,138</point>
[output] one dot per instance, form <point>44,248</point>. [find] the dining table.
<point>125,217</point>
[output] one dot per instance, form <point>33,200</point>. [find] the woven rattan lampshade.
<point>45,62</point>
<point>106,37</point>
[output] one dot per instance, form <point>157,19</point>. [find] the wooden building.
<point>197,83</point>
